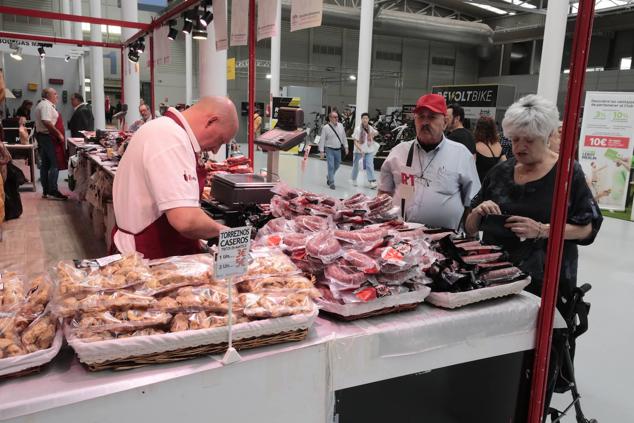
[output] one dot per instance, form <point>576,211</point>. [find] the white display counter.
<point>292,382</point>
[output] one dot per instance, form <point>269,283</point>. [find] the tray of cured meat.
<point>131,312</point>
<point>469,272</point>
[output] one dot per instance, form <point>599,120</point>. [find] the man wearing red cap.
<point>432,179</point>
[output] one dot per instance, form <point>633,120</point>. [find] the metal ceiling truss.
<point>419,7</point>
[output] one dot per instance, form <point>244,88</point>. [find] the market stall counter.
<point>284,383</point>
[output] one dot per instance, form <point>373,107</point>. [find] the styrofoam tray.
<point>355,309</point>
<point>460,299</point>
<point>19,363</point>
<point>102,351</point>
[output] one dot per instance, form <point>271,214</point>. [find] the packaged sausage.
<point>324,246</point>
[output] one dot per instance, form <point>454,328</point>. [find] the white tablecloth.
<point>300,377</point>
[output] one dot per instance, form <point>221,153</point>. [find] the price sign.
<point>232,258</point>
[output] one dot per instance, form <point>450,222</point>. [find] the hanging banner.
<point>267,19</point>
<point>231,69</point>
<point>306,14</point>
<point>220,24</point>
<point>162,47</point>
<point>239,22</point>
<point>605,150</point>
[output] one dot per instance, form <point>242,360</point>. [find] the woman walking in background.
<point>488,147</point>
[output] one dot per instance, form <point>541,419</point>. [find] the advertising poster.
<point>239,22</point>
<point>267,19</point>
<point>408,112</point>
<point>605,146</point>
<point>220,24</point>
<point>306,14</point>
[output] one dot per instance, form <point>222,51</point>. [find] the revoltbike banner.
<point>605,146</point>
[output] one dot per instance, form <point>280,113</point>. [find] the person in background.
<point>158,186</point>
<point>331,141</point>
<point>25,109</point>
<point>432,179</point>
<point>23,131</point>
<point>146,116</point>
<point>47,135</point>
<point>257,123</point>
<point>107,107</point>
<point>364,149</point>
<point>488,147</point>
<point>60,147</point>
<point>523,188</point>
<point>554,141</point>
<point>82,118</point>
<point>456,130</point>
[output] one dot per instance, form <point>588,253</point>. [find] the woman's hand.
<point>487,207</point>
<point>526,228</point>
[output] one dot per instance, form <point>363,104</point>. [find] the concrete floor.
<point>50,231</point>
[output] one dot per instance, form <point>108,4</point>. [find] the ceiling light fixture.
<point>17,54</point>
<point>187,26</point>
<point>206,16</point>
<point>200,32</point>
<point>67,58</point>
<point>133,56</point>
<point>173,32</point>
<point>353,77</point>
<point>268,76</point>
<point>140,45</point>
<point>42,52</point>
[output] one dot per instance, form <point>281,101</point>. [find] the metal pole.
<point>364,63</point>
<point>276,48</point>
<point>66,24</point>
<point>6,10</point>
<point>56,40</point>
<point>132,77</point>
<point>251,123</point>
<point>189,67</point>
<point>579,61</point>
<point>152,102</point>
<point>552,50</point>
<point>96,77</point>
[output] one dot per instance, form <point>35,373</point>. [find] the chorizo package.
<point>324,246</point>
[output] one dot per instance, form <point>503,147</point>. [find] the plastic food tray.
<point>460,299</point>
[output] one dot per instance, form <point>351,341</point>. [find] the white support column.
<point>78,34</point>
<point>554,37</point>
<point>212,73</point>
<point>189,67</point>
<point>276,47</point>
<point>43,73</point>
<point>96,61</point>
<point>365,58</point>
<point>132,77</point>
<point>66,24</point>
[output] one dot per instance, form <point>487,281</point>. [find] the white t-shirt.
<point>44,110</point>
<point>366,140</point>
<point>157,173</point>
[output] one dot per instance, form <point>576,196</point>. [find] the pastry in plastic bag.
<point>264,306</point>
<point>40,334</point>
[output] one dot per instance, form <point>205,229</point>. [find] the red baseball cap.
<point>434,102</point>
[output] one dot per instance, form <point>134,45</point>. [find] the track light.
<point>67,59</point>
<point>206,16</point>
<point>133,56</point>
<point>353,77</point>
<point>17,54</point>
<point>40,50</point>
<point>187,26</point>
<point>173,32</point>
<point>140,45</point>
<point>200,32</point>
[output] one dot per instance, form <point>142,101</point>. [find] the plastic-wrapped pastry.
<point>119,321</point>
<point>281,284</point>
<point>211,297</point>
<point>203,320</point>
<point>175,272</point>
<point>40,334</point>
<point>12,292</point>
<point>264,306</point>
<point>269,262</point>
<point>103,301</point>
<point>10,344</point>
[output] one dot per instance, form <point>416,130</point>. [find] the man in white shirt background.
<point>331,142</point>
<point>146,116</point>
<point>46,134</point>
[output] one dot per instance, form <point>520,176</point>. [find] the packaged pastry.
<point>40,333</point>
<point>10,344</point>
<point>175,272</point>
<point>269,262</point>
<point>12,292</point>
<point>103,301</point>
<point>203,320</point>
<point>121,321</point>
<point>280,284</point>
<point>108,336</point>
<point>264,306</point>
<point>211,297</point>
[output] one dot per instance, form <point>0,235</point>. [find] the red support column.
<point>152,106</point>
<point>579,61</point>
<point>251,123</point>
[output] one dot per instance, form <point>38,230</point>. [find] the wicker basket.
<point>459,299</point>
<point>27,364</point>
<point>187,353</point>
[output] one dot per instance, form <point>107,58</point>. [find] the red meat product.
<point>481,258</point>
<point>479,249</point>
<point>398,278</point>
<point>466,243</point>
<point>438,236</point>
<point>329,201</point>
<point>279,206</point>
<point>241,169</point>
<point>319,210</point>
<point>309,265</point>
<point>237,160</point>
<point>345,277</point>
<point>294,241</point>
<point>211,166</point>
<point>363,239</point>
<point>355,201</point>
<point>494,265</point>
<point>277,225</point>
<point>324,246</point>
<point>311,223</point>
<point>285,191</point>
<point>361,261</point>
<point>379,202</point>
<point>502,275</point>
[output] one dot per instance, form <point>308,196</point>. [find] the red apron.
<point>60,147</point>
<point>160,239</point>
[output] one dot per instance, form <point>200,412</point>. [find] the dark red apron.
<point>160,239</point>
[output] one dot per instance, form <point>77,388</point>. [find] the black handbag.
<point>12,200</point>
